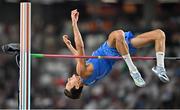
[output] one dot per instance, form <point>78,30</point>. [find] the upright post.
<point>25,55</point>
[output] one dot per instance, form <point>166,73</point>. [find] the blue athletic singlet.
<point>102,67</point>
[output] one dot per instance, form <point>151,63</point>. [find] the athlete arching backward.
<point>119,43</point>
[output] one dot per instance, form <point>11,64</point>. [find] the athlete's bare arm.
<point>77,35</point>
<point>69,45</point>
<point>81,67</point>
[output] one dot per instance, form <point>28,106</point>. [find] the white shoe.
<point>138,80</point>
<point>161,73</point>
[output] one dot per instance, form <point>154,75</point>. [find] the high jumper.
<point>119,43</point>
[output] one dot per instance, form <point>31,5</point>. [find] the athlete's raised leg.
<point>158,38</point>
<point>117,39</point>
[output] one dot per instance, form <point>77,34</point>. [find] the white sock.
<point>160,58</point>
<point>130,64</point>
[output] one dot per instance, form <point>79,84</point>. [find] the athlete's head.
<point>73,87</point>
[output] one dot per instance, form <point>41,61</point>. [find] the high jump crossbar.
<point>38,55</point>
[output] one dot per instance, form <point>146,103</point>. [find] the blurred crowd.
<point>117,90</point>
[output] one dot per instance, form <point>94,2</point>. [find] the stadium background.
<point>51,19</point>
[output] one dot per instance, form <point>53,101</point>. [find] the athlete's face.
<point>74,81</point>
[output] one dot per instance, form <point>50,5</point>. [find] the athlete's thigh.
<point>143,39</point>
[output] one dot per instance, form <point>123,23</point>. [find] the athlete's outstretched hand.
<point>66,40</point>
<point>74,16</point>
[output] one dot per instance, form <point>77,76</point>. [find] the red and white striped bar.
<point>25,55</point>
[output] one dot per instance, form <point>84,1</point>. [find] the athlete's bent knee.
<point>119,35</point>
<point>161,34</point>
